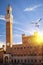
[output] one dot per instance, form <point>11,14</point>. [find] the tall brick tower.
<point>9,19</point>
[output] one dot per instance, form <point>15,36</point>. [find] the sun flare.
<point>39,38</point>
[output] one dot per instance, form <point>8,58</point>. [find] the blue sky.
<point>24,12</point>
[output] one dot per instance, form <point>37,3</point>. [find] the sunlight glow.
<point>39,38</point>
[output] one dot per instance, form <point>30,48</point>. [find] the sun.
<point>39,38</point>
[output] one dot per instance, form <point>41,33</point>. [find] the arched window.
<point>39,60</point>
<point>28,60</point>
<point>35,60</point>
<point>25,60</point>
<point>18,61</point>
<point>12,60</point>
<point>31,60</point>
<point>21,60</point>
<point>24,47</point>
<point>15,61</point>
<point>7,11</point>
<point>6,59</point>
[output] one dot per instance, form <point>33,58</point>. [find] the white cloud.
<point>2,35</point>
<point>19,29</point>
<point>17,43</point>
<point>16,35</point>
<point>16,22</point>
<point>32,8</point>
<point>24,31</point>
<point>2,17</point>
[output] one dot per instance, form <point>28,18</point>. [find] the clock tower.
<point>9,19</point>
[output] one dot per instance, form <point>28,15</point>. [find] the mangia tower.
<point>9,19</point>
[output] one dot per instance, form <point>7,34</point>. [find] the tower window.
<point>7,11</point>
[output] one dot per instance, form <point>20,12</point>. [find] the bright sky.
<point>24,12</point>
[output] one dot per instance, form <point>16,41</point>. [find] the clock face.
<point>7,44</point>
<point>29,41</point>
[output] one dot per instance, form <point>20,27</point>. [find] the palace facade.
<point>30,52</point>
